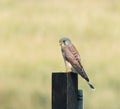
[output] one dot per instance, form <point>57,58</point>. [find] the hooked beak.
<point>60,43</point>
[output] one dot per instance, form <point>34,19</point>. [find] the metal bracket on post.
<point>80,99</point>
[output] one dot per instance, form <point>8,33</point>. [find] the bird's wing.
<point>72,56</point>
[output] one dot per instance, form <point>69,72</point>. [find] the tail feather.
<point>91,86</point>
<point>83,74</point>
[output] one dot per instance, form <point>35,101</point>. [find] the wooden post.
<point>64,91</point>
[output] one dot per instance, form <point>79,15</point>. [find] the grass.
<point>29,50</point>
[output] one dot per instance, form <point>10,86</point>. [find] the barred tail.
<point>91,86</point>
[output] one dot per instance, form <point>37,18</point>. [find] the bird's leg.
<point>68,66</point>
<point>67,70</point>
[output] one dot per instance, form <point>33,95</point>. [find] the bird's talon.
<point>66,70</point>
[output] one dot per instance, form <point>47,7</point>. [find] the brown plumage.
<point>71,56</point>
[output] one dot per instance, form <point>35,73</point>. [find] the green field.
<point>30,52</point>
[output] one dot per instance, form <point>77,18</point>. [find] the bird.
<point>72,59</point>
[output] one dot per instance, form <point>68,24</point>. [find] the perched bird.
<point>72,59</point>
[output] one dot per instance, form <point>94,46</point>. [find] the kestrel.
<point>72,59</point>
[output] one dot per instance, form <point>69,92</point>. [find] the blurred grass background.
<point>29,50</point>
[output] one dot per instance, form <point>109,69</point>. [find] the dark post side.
<point>64,91</point>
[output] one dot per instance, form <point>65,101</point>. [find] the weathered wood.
<point>64,91</point>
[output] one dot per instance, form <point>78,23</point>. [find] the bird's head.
<point>64,41</point>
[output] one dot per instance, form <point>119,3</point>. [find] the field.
<point>30,52</point>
